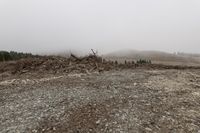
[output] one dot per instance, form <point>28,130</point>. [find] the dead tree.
<point>94,53</point>
<point>75,57</point>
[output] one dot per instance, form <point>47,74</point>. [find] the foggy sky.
<point>105,25</point>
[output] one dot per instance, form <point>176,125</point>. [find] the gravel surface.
<point>126,101</point>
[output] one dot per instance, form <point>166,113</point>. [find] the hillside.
<point>156,57</point>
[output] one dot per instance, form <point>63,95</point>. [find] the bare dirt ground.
<point>116,101</point>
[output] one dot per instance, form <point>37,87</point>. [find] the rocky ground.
<point>116,101</point>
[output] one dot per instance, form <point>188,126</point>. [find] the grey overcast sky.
<point>105,25</point>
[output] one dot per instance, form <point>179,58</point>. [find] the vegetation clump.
<point>143,61</point>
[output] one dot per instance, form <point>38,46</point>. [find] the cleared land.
<point>125,100</point>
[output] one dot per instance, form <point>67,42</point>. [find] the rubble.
<point>58,65</point>
<point>55,64</point>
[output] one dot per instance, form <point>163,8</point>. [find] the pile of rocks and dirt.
<point>73,64</point>
<point>56,64</point>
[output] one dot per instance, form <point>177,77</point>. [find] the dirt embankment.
<point>53,65</point>
<point>37,67</point>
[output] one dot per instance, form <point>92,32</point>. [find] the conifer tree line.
<point>12,55</point>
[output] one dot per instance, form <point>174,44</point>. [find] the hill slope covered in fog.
<point>155,56</point>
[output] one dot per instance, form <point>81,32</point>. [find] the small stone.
<point>148,129</point>
<point>97,122</point>
<point>34,131</point>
